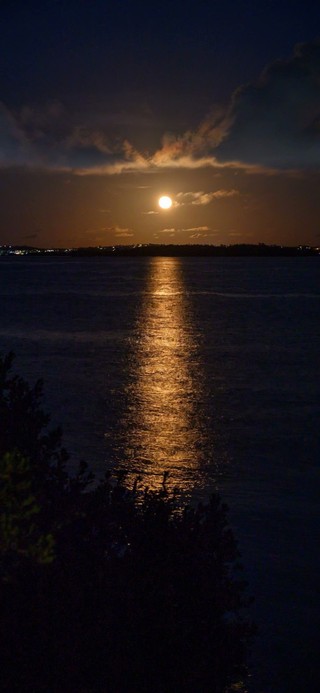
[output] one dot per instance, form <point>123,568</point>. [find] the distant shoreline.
<point>154,250</point>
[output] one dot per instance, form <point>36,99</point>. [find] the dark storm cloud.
<point>275,122</point>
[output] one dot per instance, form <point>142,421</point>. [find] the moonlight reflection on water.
<point>152,363</point>
<point>162,421</point>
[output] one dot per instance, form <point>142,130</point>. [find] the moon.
<point>165,202</point>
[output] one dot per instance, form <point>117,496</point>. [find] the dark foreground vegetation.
<point>105,589</point>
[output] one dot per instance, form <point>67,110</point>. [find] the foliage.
<point>105,588</point>
<point>20,537</point>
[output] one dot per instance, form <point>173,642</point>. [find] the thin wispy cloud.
<point>200,229</point>
<point>170,231</point>
<point>192,231</point>
<point>198,235</point>
<point>202,198</point>
<point>123,233</point>
<point>197,232</point>
<point>118,231</point>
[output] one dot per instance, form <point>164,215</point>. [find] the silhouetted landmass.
<point>105,588</point>
<point>164,250</point>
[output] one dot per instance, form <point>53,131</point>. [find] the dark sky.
<point>105,106</point>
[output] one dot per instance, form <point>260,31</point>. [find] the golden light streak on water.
<point>163,426</point>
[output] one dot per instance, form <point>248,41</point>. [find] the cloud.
<point>123,233</point>
<point>83,138</point>
<point>201,198</point>
<point>124,159</point>
<point>270,125</point>
<point>274,122</point>
<point>14,145</point>
<point>118,231</point>
<point>49,120</point>
<point>170,231</point>
<point>218,194</point>
<point>198,235</point>
<point>193,231</point>
<point>149,164</point>
<point>193,146</point>
<point>48,139</point>
<point>200,229</point>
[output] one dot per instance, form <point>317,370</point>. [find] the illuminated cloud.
<point>193,231</point>
<point>170,231</point>
<point>200,229</point>
<point>193,144</point>
<point>48,139</point>
<point>201,232</point>
<point>201,198</point>
<point>198,235</point>
<point>270,125</point>
<point>123,233</point>
<point>118,231</point>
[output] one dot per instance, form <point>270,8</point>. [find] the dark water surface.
<point>209,369</point>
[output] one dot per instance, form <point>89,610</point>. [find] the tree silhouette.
<point>104,587</point>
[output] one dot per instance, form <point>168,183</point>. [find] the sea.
<point>207,371</point>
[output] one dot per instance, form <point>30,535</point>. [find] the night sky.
<point>106,106</point>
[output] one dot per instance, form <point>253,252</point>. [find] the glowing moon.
<point>165,202</point>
